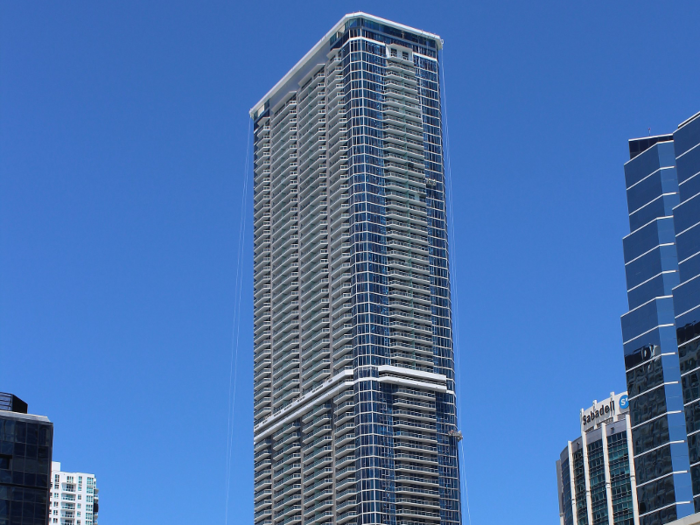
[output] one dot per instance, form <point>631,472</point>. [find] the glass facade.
<point>26,443</point>
<point>355,418</point>
<point>658,331</point>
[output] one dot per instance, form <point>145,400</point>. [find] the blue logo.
<point>624,403</point>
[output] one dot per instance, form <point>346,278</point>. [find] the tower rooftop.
<point>321,49</point>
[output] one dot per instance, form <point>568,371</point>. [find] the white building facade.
<point>74,497</point>
<point>595,473</point>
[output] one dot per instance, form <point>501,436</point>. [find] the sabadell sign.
<point>611,408</point>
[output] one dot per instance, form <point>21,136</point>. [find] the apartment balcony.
<point>287,453</point>
<point>345,505</point>
<point>261,290</point>
<point>319,499</point>
<point>287,501</point>
<point>282,437</point>
<point>319,511</point>
<point>399,134</point>
<point>261,363</point>
<point>317,366</point>
<point>320,237</point>
<point>261,218</point>
<point>284,309</point>
<point>318,474</point>
<point>287,513</point>
<point>341,318</point>
<point>293,479</point>
<point>418,458</point>
<point>319,323</point>
<point>260,414</point>
<point>262,483</point>
<point>282,338</point>
<point>281,474</point>
<point>402,152</point>
<point>344,406</point>
<point>319,442</point>
<point>292,519</point>
<point>262,444</point>
<point>287,382</point>
<point>314,341</point>
<point>263,474</point>
<point>315,412</point>
<point>262,514</point>
<point>411,316</point>
<point>318,453</point>
<point>321,483</point>
<point>346,484</point>
<point>342,430</point>
<point>343,300</point>
<point>321,431</point>
<point>338,333</point>
<point>345,461</point>
<point>341,271</point>
<point>322,419</point>
<point>411,306</point>
<point>421,503</point>
<point>343,495</point>
<point>343,416</point>
<point>323,462</point>
<point>285,397</point>
<point>288,378</point>
<point>262,464</point>
<point>416,480</point>
<point>285,365</point>
<point>417,513</point>
<point>263,504</point>
<point>412,326</point>
<point>315,285</point>
<point>261,336</point>
<point>409,286</point>
<point>288,490</point>
<point>345,517</point>
<point>416,361</point>
<point>342,355</point>
<point>418,436</point>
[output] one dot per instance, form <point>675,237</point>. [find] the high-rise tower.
<point>355,417</point>
<point>26,444</point>
<point>661,331</point>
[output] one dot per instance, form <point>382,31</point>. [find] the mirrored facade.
<point>660,269</point>
<point>26,443</point>
<point>355,417</point>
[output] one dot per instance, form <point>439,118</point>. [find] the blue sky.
<point>122,148</point>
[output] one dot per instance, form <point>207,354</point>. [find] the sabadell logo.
<point>624,402</point>
<point>601,411</point>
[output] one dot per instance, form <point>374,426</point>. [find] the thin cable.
<point>236,322</point>
<point>454,280</point>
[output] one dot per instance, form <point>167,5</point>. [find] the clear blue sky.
<point>122,144</point>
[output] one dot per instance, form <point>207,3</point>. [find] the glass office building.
<point>662,289</point>
<point>26,443</point>
<point>595,472</point>
<point>354,410</point>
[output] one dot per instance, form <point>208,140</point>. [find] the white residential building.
<point>355,417</point>
<point>74,497</point>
